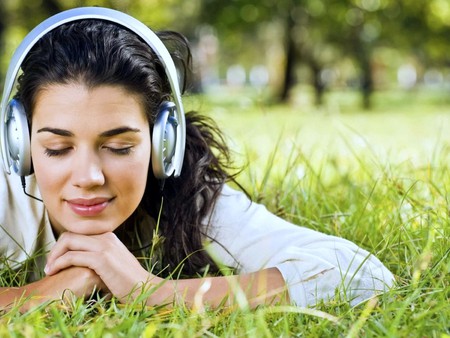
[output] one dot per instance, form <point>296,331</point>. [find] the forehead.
<point>75,103</point>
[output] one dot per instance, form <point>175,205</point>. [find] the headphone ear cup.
<point>18,139</point>
<point>164,140</point>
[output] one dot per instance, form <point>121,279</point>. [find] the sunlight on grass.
<point>389,135</point>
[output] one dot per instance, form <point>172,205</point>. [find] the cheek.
<point>131,176</point>
<point>48,176</point>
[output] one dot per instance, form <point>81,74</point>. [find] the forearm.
<point>74,281</point>
<point>24,297</point>
<point>11,295</point>
<point>125,278</point>
<point>262,287</point>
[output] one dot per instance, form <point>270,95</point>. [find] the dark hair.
<point>95,53</point>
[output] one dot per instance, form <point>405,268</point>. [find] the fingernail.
<point>46,269</point>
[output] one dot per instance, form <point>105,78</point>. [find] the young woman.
<point>92,90</point>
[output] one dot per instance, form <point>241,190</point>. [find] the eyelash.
<point>61,152</point>
<point>54,153</point>
<point>120,151</point>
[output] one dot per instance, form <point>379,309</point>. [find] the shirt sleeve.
<point>315,266</point>
<point>25,231</point>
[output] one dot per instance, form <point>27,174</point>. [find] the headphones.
<point>169,130</point>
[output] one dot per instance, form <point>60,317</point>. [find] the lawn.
<point>378,178</point>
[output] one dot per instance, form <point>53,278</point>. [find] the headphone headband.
<point>110,15</point>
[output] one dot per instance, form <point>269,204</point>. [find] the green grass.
<point>378,178</point>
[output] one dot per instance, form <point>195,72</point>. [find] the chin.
<point>92,227</point>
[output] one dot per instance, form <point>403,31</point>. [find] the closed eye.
<point>56,152</point>
<point>120,151</point>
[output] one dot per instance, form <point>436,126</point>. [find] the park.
<point>338,116</point>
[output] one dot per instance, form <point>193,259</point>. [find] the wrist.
<point>161,291</point>
<point>23,297</point>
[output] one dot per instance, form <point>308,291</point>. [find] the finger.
<point>87,259</point>
<point>69,241</point>
<point>104,248</point>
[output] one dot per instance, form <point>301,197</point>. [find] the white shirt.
<point>246,237</point>
<point>313,264</point>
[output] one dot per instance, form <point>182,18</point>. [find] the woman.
<point>91,90</point>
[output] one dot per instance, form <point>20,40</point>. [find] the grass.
<point>378,178</point>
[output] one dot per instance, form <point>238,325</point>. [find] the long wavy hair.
<point>96,53</point>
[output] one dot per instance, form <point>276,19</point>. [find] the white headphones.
<point>169,131</point>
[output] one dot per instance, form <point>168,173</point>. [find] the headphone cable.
<point>24,184</point>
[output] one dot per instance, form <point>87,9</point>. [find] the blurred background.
<point>287,51</point>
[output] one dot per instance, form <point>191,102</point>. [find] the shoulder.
<point>234,209</point>
<point>236,220</point>
<point>11,192</point>
<point>21,218</point>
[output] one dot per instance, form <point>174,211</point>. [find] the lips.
<point>89,207</point>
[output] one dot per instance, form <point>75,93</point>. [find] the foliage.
<point>380,180</point>
<point>296,39</point>
<point>322,34</point>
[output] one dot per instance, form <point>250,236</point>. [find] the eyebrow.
<point>107,133</point>
<point>57,131</point>
<point>120,130</point>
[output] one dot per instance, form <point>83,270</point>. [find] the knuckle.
<point>64,237</point>
<point>111,240</point>
<point>110,236</point>
<point>68,257</point>
<point>87,273</point>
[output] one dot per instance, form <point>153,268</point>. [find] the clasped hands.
<point>85,263</point>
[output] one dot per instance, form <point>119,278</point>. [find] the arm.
<point>125,277</point>
<point>252,289</point>
<point>315,266</point>
<point>76,281</point>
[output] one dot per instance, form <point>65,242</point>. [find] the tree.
<point>317,33</point>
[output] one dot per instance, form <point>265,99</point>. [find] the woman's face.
<point>91,154</point>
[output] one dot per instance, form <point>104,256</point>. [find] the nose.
<point>87,171</point>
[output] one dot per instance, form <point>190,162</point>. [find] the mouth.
<point>89,207</point>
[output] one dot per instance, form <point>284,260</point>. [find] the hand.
<point>104,254</point>
<point>73,281</point>
<point>81,282</point>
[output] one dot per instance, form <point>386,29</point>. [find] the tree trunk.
<point>362,52</point>
<point>366,80</point>
<point>289,70</point>
<point>319,87</point>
